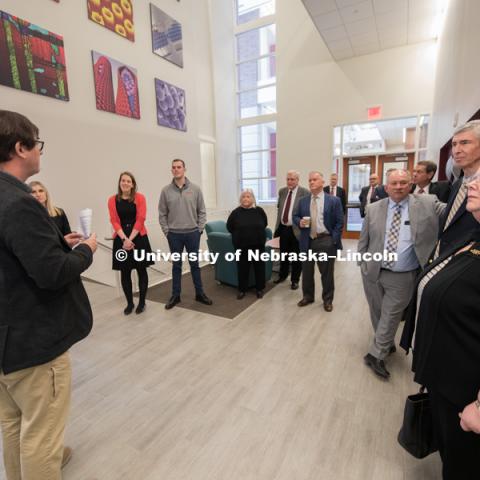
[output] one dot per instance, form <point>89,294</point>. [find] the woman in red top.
<point>128,210</point>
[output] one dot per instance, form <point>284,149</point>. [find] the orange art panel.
<point>116,15</point>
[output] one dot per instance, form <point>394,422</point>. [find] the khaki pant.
<point>34,405</point>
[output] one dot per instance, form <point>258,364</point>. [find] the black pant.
<point>243,267</point>
<point>126,277</point>
<point>459,450</point>
<point>322,244</point>
<point>289,243</point>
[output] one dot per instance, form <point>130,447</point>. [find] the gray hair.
<point>399,170</point>
<point>294,173</point>
<point>250,191</point>
<point>313,172</point>
<point>473,125</point>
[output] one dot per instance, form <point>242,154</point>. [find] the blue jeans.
<point>177,243</point>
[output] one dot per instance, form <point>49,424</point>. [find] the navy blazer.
<point>332,218</point>
<point>462,225</point>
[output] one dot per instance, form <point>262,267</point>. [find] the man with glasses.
<point>456,223</point>
<point>44,310</point>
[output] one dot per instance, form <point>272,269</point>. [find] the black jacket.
<point>446,354</point>
<point>247,226</point>
<point>44,308</point>
<point>378,193</point>
<point>440,189</point>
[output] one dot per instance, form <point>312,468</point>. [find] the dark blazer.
<point>332,218</point>
<point>462,226</point>
<point>440,189</point>
<point>448,321</point>
<point>282,198</point>
<point>341,195</point>
<point>44,308</point>
<point>378,193</point>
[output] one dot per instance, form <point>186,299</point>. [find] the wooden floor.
<point>278,393</point>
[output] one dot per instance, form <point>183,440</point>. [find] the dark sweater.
<point>247,226</point>
<point>61,221</point>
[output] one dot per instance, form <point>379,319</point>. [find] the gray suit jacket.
<point>424,212</point>
<point>282,197</point>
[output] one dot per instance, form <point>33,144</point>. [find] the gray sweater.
<point>181,210</point>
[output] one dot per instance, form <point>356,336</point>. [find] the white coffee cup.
<point>85,219</point>
<point>306,221</point>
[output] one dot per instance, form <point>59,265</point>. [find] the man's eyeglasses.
<point>41,144</point>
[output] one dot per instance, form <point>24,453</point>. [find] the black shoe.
<point>304,301</point>
<point>259,293</point>
<point>392,349</point>
<point>129,309</point>
<point>294,286</point>
<point>377,365</point>
<point>279,280</point>
<point>140,308</point>
<point>240,295</point>
<point>172,302</point>
<point>202,298</point>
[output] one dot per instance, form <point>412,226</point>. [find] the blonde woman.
<point>247,225</point>
<point>40,192</point>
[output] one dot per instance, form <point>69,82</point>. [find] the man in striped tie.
<point>456,224</point>
<point>403,224</point>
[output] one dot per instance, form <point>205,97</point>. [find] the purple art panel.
<point>171,110</point>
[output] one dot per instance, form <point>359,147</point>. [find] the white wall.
<point>86,149</point>
<point>314,93</point>
<point>457,89</point>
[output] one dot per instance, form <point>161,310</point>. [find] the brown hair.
<point>133,191</point>
<point>15,128</point>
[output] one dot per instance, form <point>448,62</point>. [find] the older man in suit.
<point>457,224</point>
<point>405,225</point>
<point>371,194</point>
<point>423,173</point>
<point>320,219</point>
<point>288,198</point>
<point>336,191</point>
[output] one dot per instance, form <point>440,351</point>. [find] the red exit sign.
<point>374,113</point>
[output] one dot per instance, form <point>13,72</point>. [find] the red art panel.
<point>32,58</point>
<point>116,15</point>
<point>120,97</point>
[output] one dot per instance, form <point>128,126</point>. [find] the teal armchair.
<point>219,240</point>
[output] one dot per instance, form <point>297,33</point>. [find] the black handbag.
<point>416,434</point>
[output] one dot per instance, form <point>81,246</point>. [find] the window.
<point>257,152</point>
<point>257,97</point>
<point>248,10</point>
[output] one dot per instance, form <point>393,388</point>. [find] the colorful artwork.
<point>166,36</point>
<point>116,15</point>
<point>120,97</point>
<point>171,110</point>
<point>32,58</point>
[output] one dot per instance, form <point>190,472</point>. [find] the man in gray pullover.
<point>182,216</point>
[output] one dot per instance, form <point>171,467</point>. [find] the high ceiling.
<point>358,27</point>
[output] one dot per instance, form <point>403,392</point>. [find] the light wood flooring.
<point>278,393</point>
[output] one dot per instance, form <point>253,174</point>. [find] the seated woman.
<point>40,192</point>
<point>444,330</point>
<point>128,210</point>
<point>247,225</point>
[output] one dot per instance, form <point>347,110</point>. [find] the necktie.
<point>286,210</point>
<point>421,190</point>
<point>313,217</point>
<point>461,194</point>
<point>373,197</point>
<point>394,233</point>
